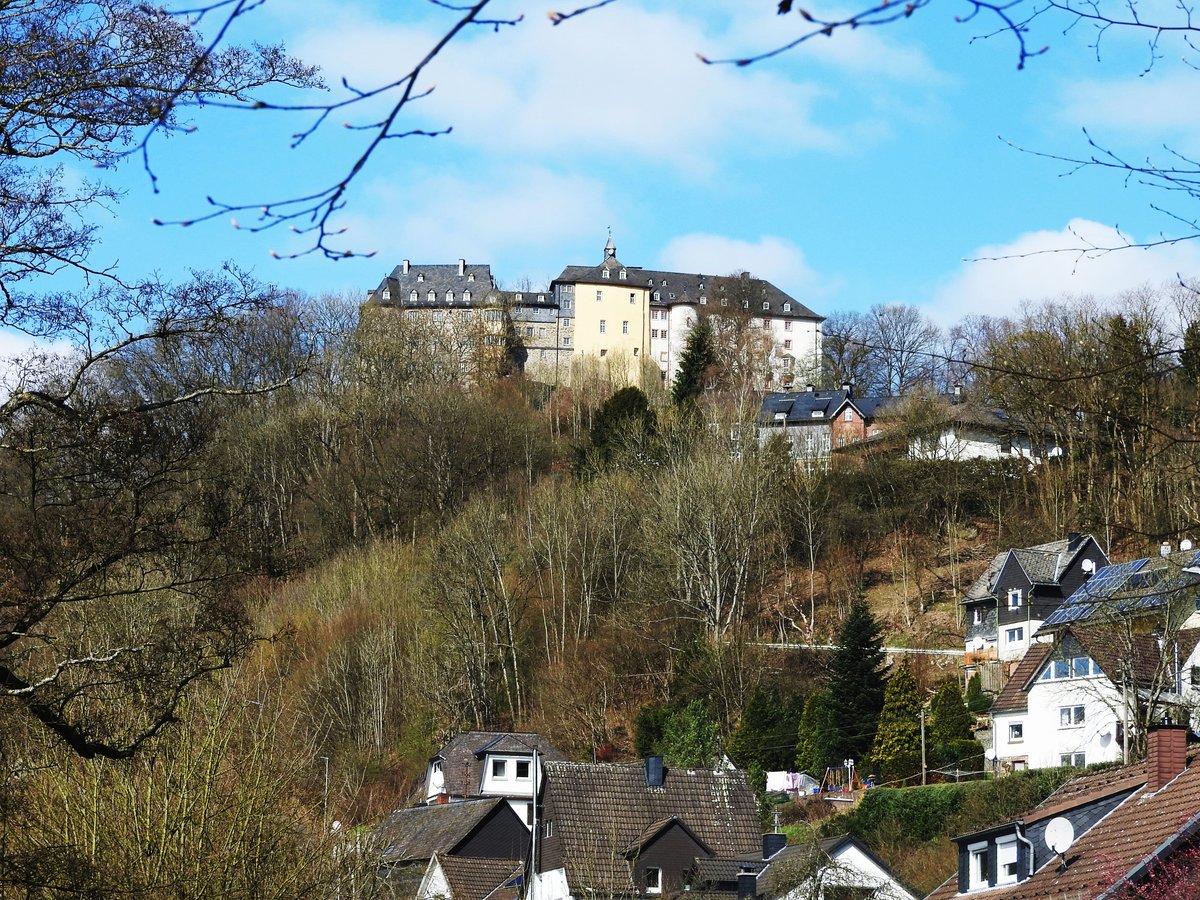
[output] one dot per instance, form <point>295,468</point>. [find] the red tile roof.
<point>1143,826</point>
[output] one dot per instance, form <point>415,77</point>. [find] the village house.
<point>489,764</point>
<point>1097,834</point>
<point>468,830</point>
<point>1019,590</point>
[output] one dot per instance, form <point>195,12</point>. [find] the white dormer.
<point>604,273</point>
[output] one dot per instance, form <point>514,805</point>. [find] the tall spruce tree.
<point>696,364</point>
<point>856,681</point>
<point>765,739</point>
<point>897,749</point>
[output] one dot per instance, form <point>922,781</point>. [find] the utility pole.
<point>922,745</point>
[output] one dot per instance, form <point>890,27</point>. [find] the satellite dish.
<point>1060,834</point>
<point>1185,545</point>
<point>989,754</point>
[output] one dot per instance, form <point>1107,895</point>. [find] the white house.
<point>1065,704</point>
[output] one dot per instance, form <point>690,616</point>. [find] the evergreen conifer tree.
<point>696,363</point>
<point>815,736</point>
<point>949,734</point>
<point>856,681</point>
<point>897,749</point>
<point>765,739</point>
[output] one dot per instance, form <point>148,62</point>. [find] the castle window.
<point>604,273</point>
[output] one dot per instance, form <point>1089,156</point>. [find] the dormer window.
<point>522,770</point>
<point>657,296</point>
<point>466,296</point>
<point>1014,599</point>
<point>787,307</point>
<point>449,296</point>
<point>766,304</point>
<point>518,297</point>
<point>387,295</point>
<point>470,276</point>
<point>745,304</point>
<point>622,275</point>
<point>703,300</point>
<point>604,273</point>
<point>500,769</point>
<point>420,277</point>
<point>431,297</point>
<point>413,297</point>
<point>977,873</point>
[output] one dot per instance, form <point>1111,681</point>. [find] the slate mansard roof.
<point>683,287</point>
<point>463,757</point>
<point>793,408</point>
<point>1044,564</point>
<point>456,278</point>
<point>599,812</point>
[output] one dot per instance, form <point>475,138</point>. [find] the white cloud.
<point>1002,276</point>
<point>773,258</point>
<point>524,212</point>
<point>621,81</point>
<point>1150,109</point>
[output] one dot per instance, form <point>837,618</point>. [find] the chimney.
<point>747,888</point>
<point>655,774</point>
<point>811,388</point>
<point>404,268</point>
<point>848,387</point>
<point>462,267</point>
<point>773,843</point>
<point>1166,753</point>
<point>1073,539</point>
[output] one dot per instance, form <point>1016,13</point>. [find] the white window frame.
<point>1014,598</point>
<point>500,770</point>
<point>1016,732</point>
<point>653,880</point>
<point>604,273</point>
<point>1007,854</point>
<point>1074,716</point>
<point>1015,635</point>
<point>977,875</point>
<point>517,770</point>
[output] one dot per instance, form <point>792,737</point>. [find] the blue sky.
<point>854,170</point>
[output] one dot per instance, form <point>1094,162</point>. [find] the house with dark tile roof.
<point>1020,589</point>
<point>489,764</point>
<point>476,829</point>
<point>1093,838</point>
<point>803,418</point>
<point>833,867</point>
<point>1071,699</point>
<point>936,427</point>
<point>471,878</point>
<point>636,829</point>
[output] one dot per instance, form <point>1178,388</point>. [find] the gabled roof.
<point>598,811</point>
<point>474,878</point>
<point>780,408</point>
<point>419,832</point>
<point>1129,588</point>
<point>1143,827</point>
<point>1015,695</point>
<point>462,758</point>
<point>1044,564</point>
<point>438,278</point>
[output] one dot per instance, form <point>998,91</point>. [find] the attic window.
<point>604,273</point>
<point>522,769</point>
<point>766,304</point>
<point>1006,860</point>
<point>466,296</point>
<point>977,874</point>
<point>818,413</point>
<point>704,300</point>
<point>787,307</point>
<point>745,304</point>
<point>1014,599</point>
<point>413,297</point>
<point>449,296</point>
<point>470,276</point>
<point>431,297</point>
<point>653,880</point>
<point>500,769</point>
<point>387,295</point>
<point>622,275</point>
<point>420,277</point>
<point>657,296</point>
<point>519,297</point>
